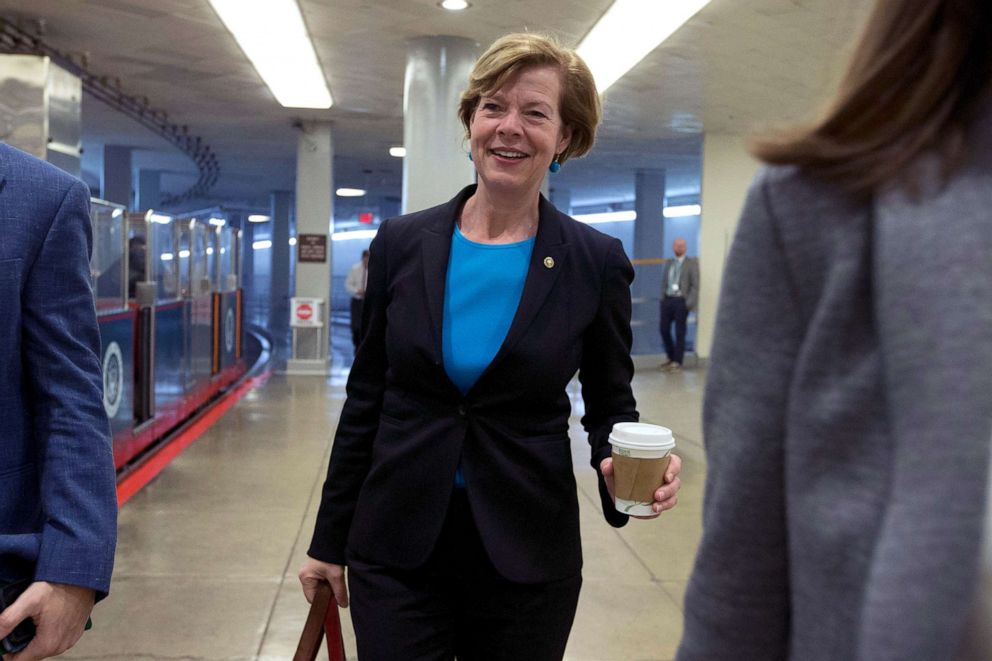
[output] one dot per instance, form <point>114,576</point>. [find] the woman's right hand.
<point>314,571</point>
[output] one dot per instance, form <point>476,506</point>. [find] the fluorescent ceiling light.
<point>183,254</point>
<point>167,257</point>
<point>350,192</point>
<point>273,36</point>
<point>117,213</point>
<point>682,211</point>
<point>258,218</point>
<point>210,251</point>
<point>357,234</point>
<point>606,217</point>
<point>261,245</point>
<point>454,5</point>
<point>398,152</point>
<point>292,240</point>
<point>159,218</point>
<point>629,30</point>
<point>217,222</point>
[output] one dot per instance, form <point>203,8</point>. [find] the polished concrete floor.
<point>209,551</point>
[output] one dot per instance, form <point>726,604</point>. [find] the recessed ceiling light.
<point>398,152</point>
<point>640,27</point>
<point>258,218</point>
<point>274,37</point>
<point>454,5</point>
<point>350,192</point>
<point>682,211</point>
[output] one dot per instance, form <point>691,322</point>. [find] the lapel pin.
<point>549,262</point>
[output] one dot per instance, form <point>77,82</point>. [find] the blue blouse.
<point>481,294</point>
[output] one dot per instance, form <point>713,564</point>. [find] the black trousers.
<point>674,311</point>
<point>458,606</point>
<point>356,321</point>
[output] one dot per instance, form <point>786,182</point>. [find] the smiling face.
<point>517,130</point>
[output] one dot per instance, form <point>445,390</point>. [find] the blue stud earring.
<point>555,166</point>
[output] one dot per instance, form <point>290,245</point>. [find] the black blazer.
<point>405,425</point>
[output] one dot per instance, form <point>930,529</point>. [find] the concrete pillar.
<point>247,254</point>
<point>436,164</point>
<point>149,189</point>
<point>115,180</point>
<point>314,215</point>
<point>40,109</point>
<point>727,173</point>
<point>280,207</point>
<point>649,242</point>
<point>562,199</point>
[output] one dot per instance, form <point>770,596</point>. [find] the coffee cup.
<point>641,453</point>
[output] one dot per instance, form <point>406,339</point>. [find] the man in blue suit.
<point>58,508</point>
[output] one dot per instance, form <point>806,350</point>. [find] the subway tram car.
<point>170,308</point>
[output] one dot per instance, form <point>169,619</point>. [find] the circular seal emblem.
<point>229,331</point>
<point>113,379</point>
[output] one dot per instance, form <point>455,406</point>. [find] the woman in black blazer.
<point>450,494</point>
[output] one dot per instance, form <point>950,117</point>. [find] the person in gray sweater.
<point>848,434</point>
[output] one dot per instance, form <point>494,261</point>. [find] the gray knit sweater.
<point>847,421</point>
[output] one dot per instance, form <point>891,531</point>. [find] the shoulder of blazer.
<point>582,238</point>
<point>437,219</point>
<point>19,167</point>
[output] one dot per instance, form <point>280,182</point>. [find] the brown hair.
<point>919,73</point>
<point>579,106</point>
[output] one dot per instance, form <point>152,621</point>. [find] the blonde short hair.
<point>579,105</point>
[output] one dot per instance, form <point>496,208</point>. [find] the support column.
<point>436,164</point>
<point>314,215</point>
<point>247,258</point>
<point>280,207</point>
<point>727,173</point>
<point>649,245</point>
<point>149,190</point>
<point>115,180</point>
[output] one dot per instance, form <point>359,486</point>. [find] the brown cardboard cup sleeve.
<point>641,454</point>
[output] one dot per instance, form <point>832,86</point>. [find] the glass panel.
<point>228,278</point>
<point>137,251</point>
<point>213,257</point>
<point>199,272</point>
<point>165,259</point>
<point>107,263</point>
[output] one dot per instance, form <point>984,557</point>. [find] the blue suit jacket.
<point>58,508</point>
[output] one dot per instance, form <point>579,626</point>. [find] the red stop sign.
<point>304,311</point>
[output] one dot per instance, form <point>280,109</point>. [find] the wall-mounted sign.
<point>311,248</point>
<point>307,312</point>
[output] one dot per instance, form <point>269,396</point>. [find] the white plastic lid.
<point>641,436</point>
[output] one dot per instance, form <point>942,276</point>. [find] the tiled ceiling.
<point>737,65</point>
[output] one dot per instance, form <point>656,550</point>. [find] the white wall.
<point>727,173</point>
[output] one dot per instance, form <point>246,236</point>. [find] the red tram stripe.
<point>131,483</point>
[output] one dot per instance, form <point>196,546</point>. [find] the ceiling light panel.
<point>628,31</point>
<point>273,36</point>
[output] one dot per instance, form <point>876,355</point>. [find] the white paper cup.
<point>641,453</point>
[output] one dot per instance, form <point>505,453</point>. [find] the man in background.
<point>355,284</point>
<point>58,504</point>
<point>679,295</point>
